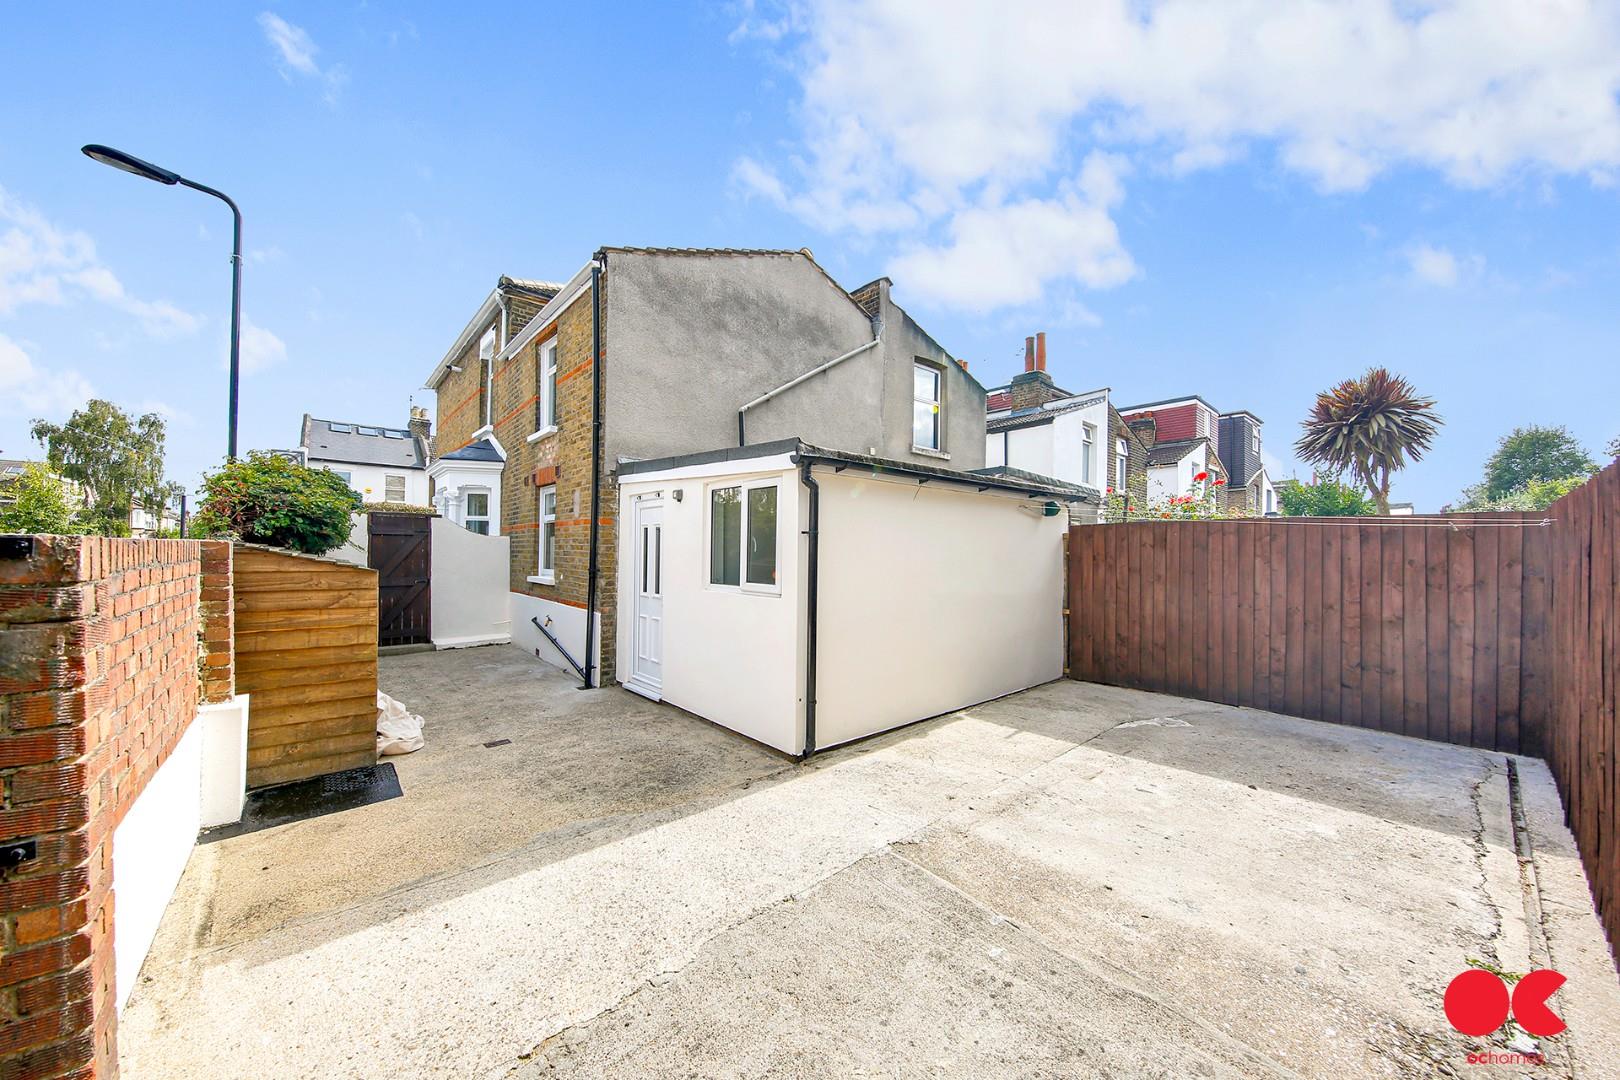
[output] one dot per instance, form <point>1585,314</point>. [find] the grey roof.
<point>1084,491</point>
<point>1042,414</point>
<point>1168,453</point>
<point>482,450</point>
<point>361,444</point>
<point>804,452</point>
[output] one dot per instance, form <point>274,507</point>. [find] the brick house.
<point>1187,436</point>
<point>1037,428</point>
<point>652,352</point>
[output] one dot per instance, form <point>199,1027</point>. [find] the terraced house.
<point>653,352</point>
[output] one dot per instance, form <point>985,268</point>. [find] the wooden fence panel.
<point>1500,631</point>
<point>306,648</point>
<point>1435,628</point>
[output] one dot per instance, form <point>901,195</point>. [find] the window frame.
<point>938,402</point>
<point>545,366</point>
<point>543,574</point>
<point>486,517</point>
<point>743,584</point>
<point>1088,452</point>
<point>1122,463</point>
<point>388,480</point>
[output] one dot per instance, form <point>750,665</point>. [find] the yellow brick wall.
<point>568,451</point>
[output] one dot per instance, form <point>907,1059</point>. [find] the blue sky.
<point>1248,202</point>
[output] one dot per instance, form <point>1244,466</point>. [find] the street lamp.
<point>145,169</point>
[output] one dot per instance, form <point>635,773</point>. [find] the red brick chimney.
<point>1034,386</point>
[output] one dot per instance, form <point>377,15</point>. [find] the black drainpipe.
<point>596,465</point>
<point>812,530</point>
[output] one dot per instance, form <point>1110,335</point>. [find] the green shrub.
<point>267,499</point>
<point>1324,498</point>
<point>39,502</point>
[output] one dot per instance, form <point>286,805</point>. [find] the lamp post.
<point>145,169</point>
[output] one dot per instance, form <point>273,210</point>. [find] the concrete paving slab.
<point>1171,888</point>
<point>883,964</point>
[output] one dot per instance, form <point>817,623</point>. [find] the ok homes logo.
<point>1479,1002</point>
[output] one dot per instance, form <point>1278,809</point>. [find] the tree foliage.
<point>1613,449</point>
<point>1369,427</point>
<point>39,502</point>
<point>1535,495</point>
<point>115,458</point>
<point>1323,498</point>
<point>267,499</point>
<point>1535,453</point>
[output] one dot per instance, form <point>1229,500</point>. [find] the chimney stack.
<point>420,424</point>
<point>1029,354</point>
<point>1040,351</point>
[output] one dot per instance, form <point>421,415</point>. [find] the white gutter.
<point>877,339</point>
<point>474,327</point>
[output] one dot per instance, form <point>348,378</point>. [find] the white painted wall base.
<point>568,623</point>
<point>224,760</point>
<point>471,642</point>
<point>150,849</point>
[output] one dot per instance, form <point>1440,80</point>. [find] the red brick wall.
<point>1174,424</point>
<point>102,666</point>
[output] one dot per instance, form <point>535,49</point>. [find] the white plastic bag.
<point>398,731</point>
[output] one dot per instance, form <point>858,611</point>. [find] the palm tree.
<point>1369,426</point>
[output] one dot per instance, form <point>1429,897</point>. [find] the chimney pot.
<point>1040,351</point>
<point>1029,354</point>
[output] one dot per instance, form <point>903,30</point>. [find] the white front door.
<point>647,675</point>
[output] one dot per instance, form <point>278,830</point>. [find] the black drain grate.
<point>316,797</point>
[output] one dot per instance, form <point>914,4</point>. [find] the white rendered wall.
<point>567,623</point>
<point>356,549</point>
<point>730,656</point>
<point>471,576</point>
<point>150,849</point>
<point>931,599</point>
<point>1031,449</point>
<point>371,480</point>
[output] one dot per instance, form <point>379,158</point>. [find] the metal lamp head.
<point>130,164</point>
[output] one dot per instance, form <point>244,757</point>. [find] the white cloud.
<point>35,392</point>
<point>919,119</point>
<point>295,55</point>
<point>43,264</point>
<point>261,349</point>
<point>1003,255</point>
<point>1438,266</point>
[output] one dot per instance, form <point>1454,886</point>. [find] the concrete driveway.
<point>1076,880</point>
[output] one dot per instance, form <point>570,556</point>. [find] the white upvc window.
<point>1088,451</point>
<point>925,406</point>
<point>546,421</point>
<point>393,488</point>
<point>486,383</point>
<point>1122,461</point>
<point>743,537</point>
<point>548,535</point>
<point>475,514</point>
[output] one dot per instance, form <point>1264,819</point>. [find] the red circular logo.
<point>1477,1002</point>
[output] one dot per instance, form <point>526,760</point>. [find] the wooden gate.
<point>400,549</point>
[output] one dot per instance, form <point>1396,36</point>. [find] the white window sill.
<point>542,433</point>
<point>542,579</point>
<point>927,451</point>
